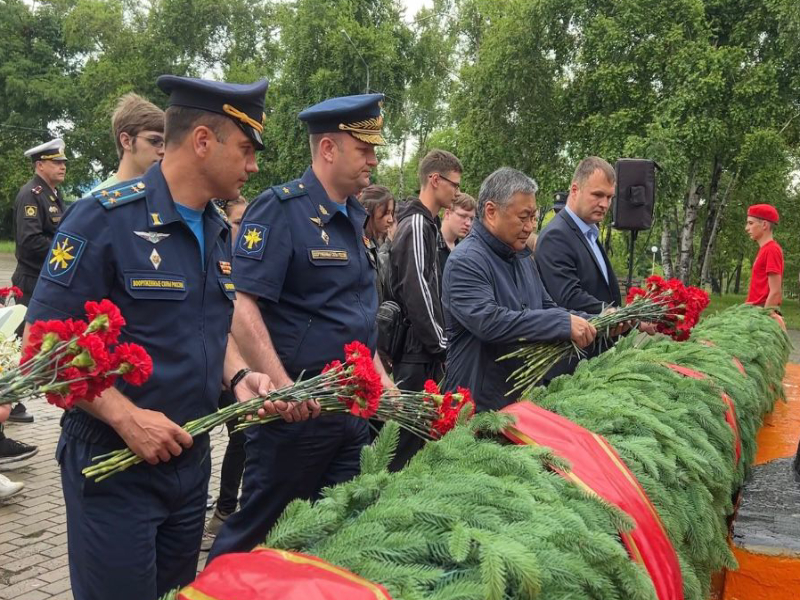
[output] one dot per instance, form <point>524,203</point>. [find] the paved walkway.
<point>7,266</point>
<point>33,532</point>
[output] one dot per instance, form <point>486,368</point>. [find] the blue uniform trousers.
<point>137,534</point>
<point>286,461</point>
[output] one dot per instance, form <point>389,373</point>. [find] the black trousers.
<point>286,461</point>
<point>412,376</point>
<point>230,477</point>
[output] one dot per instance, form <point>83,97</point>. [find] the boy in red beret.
<point>767,276</point>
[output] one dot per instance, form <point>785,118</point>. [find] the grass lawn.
<point>790,307</point>
<point>7,246</point>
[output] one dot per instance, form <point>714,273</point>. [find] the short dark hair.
<point>181,121</point>
<point>132,115</point>
<point>315,139</point>
<point>437,161</point>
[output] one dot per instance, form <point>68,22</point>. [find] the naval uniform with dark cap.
<point>37,213</point>
<point>306,259</point>
<point>137,535</point>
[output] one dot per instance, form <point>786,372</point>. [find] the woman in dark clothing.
<point>378,201</point>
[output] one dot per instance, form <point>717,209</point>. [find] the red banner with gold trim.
<point>269,574</point>
<point>597,468</point>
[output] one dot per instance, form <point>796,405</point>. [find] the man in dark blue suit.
<point>573,265</point>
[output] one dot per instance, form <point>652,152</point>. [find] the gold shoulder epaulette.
<point>287,191</point>
<point>122,193</point>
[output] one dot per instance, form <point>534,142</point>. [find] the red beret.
<point>763,211</point>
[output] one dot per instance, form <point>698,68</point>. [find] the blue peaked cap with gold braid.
<point>242,103</point>
<point>360,116</point>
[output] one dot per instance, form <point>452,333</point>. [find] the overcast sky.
<point>413,6</point>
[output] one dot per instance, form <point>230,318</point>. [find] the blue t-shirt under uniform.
<point>194,219</point>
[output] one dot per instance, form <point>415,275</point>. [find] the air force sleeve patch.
<point>252,240</point>
<point>62,260</point>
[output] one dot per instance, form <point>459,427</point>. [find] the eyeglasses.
<point>450,181</point>
<point>154,141</point>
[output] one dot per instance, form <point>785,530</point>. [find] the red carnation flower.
<point>431,387</point>
<point>7,293</point>
<point>355,350</point>
<point>105,317</point>
<point>133,362</point>
<point>97,351</point>
<point>634,293</point>
<point>72,387</point>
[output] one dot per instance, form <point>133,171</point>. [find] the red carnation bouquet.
<point>70,361</point>
<point>673,307</point>
<point>681,305</point>
<point>353,386</point>
<point>9,295</point>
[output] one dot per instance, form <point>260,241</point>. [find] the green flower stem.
<point>538,358</point>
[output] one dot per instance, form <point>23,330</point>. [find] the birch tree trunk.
<point>401,192</point>
<point>666,249</point>
<point>686,240</point>
<point>709,253</point>
<point>712,208</point>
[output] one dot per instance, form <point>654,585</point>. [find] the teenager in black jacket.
<point>415,276</point>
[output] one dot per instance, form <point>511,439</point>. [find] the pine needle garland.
<point>472,517</point>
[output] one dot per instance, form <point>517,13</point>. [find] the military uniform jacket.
<point>37,213</point>
<point>309,266</point>
<point>128,243</point>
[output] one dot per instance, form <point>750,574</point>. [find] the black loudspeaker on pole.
<point>634,200</point>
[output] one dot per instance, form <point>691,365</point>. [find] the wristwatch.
<point>240,374</point>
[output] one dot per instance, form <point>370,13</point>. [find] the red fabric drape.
<point>269,574</point>
<point>596,467</point>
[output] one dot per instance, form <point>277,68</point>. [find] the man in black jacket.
<point>415,279</point>
<point>415,270</point>
<point>493,297</point>
<point>573,265</point>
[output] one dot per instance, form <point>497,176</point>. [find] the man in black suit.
<point>573,265</point>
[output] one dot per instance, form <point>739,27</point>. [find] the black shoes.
<point>12,451</point>
<point>20,415</point>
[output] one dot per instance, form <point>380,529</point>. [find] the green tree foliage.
<point>66,62</point>
<point>689,83</point>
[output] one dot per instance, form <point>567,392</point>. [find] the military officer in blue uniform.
<point>161,252</point>
<point>306,288</point>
